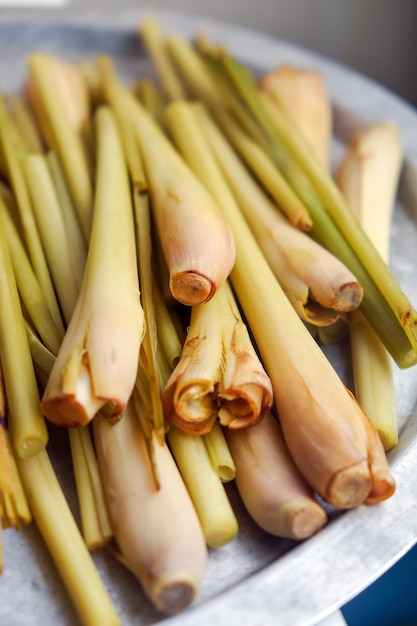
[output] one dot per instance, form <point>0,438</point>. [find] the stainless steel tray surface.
<point>257,580</point>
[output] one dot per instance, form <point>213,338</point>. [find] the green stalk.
<point>60,532</point>
<point>219,453</point>
<point>52,231</point>
<point>207,492</point>
<point>66,141</point>
<point>27,220</point>
<point>78,247</point>
<point>27,425</point>
<point>29,289</point>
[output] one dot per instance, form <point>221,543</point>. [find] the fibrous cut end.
<point>191,288</point>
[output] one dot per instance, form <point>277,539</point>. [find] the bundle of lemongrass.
<point>165,252</point>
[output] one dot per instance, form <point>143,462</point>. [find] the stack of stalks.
<point>166,252</point>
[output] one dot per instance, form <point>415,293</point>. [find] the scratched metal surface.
<point>257,579</point>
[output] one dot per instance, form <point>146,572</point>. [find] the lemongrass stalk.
<point>95,521</point>
<point>313,279</point>
<point>245,390</point>
<point>16,512</point>
<point>41,355</point>
<point>142,234</point>
<point>207,491</point>
<point>51,98</point>
<point>29,288</point>
<point>52,231</point>
<point>275,494</point>
<point>304,93</point>
<point>157,531</point>
<point>25,123</point>
<point>219,453</point>
<point>72,559</point>
<point>110,88</point>
<point>265,170</point>
<point>185,215</point>
<point>146,279</point>
<point>26,216</point>
<point>321,422</point>
<point>152,99</point>
<point>78,247</point>
<point>368,177</point>
<point>98,358</point>
<point>167,331</point>
<point>27,425</point>
<point>154,43</point>
<point>190,395</point>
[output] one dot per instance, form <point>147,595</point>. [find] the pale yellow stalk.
<point>59,99</point>
<point>78,245</point>
<point>60,532</point>
<point>303,91</point>
<point>29,289</point>
<point>217,519</point>
<point>27,222</point>
<point>95,522</point>
<point>196,239</point>
<point>273,491</point>
<point>98,358</point>
<point>158,535</point>
<point>368,176</point>
<point>14,506</point>
<point>25,123</point>
<point>27,425</point>
<point>219,453</point>
<point>322,423</point>
<point>52,230</point>
<point>154,43</point>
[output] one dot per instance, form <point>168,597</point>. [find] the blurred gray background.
<point>376,37</point>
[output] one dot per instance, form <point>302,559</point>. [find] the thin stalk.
<point>26,216</point>
<point>52,230</point>
<point>29,289</point>
<point>95,521</point>
<point>72,559</point>
<point>78,247</point>
<point>219,453</point>
<point>207,492</point>
<point>25,124</point>
<point>51,105</point>
<point>27,425</point>
<point>154,43</point>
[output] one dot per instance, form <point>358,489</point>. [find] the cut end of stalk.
<point>348,297</point>
<point>382,489</point>
<point>67,411</point>
<point>306,520</point>
<point>191,288</point>
<point>172,593</point>
<point>351,486</point>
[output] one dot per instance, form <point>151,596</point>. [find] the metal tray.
<point>257,579</point>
